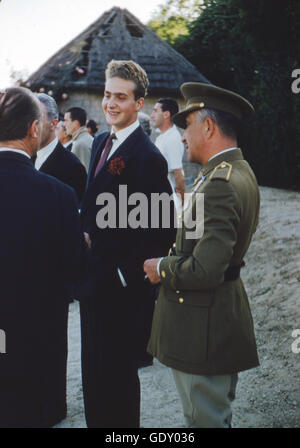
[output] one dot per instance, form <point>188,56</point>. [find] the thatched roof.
<point>117,34</point>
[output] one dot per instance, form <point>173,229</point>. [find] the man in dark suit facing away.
<point>116,317</point>
<point>42,250</point>
<point>52,158</point>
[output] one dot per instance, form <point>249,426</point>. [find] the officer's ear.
<point>209,127</point>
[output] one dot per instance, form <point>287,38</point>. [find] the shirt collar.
<point>78,132</point>
<point>168,130</point>
<point>47,150</point>
<point>221,152</point>
<point>43,154</point>
<point>18,151</point>
<point>234,154</point>
<point>124,133</point>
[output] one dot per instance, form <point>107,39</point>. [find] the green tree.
<point>171,19</point>
<point>252,47</point>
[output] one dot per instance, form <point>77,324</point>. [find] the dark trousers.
<point>111,386</point>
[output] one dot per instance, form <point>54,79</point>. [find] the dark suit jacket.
<point>42,248</point>
<point>69,146</point>
<point>66,167</point>
<point>138,165</point>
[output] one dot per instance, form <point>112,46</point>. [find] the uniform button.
<point>163,274</point>
<point>180,300</point>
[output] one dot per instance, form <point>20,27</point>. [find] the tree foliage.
<point>252,47</point>
<point>172,18</point>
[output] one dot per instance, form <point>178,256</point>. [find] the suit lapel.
<point>96,152</point>
<point>100,183</point>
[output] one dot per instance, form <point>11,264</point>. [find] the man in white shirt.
<point>169,141</point>
<point>75,122</point>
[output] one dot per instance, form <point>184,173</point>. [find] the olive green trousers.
<point>206,400</point>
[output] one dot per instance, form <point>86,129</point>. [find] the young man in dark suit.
<point>42,250</point>
<point>52,157</point>
<point>117,315</point>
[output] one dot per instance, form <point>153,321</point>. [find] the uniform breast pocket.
<point>185,336</point>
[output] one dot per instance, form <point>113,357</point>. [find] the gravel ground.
<point>268,396</point>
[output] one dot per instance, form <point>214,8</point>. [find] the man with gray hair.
<point>202,325</point>
<point>52,158</point>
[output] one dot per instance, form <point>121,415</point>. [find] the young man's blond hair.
<point>130,71</point>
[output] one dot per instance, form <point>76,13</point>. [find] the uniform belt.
<point>233,272</point>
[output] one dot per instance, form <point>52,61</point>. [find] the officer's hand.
<point>150,268</point>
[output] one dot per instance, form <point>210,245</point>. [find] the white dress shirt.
<point>43,154</point>
<point>65,145</point>
<point>121,136</point>
<point>170,145</point>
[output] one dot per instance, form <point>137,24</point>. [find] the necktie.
<point>105,152</point>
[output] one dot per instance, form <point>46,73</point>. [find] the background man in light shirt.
<point>169,141</point>
<point>75,122</point>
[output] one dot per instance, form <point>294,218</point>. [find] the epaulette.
<point>221,171</point>
<point>198,178</point>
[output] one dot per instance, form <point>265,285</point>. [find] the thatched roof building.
<point>75,74</point>
<point>79,66</point>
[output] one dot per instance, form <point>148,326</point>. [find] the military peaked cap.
<point>208,96</point>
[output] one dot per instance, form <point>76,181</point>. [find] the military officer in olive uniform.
<point>202,326</point>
